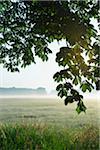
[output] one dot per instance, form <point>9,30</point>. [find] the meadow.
<point>46,124</point>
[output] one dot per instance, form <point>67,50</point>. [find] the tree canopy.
<point>27,27</point>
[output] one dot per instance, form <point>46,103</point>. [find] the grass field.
<point>47,110</point>
<point>46,124</point>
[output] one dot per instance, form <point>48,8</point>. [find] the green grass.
<point>43,137</point>
<point>46,124</point>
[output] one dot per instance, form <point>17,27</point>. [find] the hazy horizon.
<point>92,95</point>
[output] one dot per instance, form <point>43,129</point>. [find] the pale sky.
<point>35,75</point>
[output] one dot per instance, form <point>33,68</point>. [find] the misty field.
<point>47,110</point>
<point>46,124</point>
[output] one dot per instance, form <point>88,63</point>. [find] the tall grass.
<point>47,137</point>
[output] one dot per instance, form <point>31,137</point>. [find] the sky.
<point>35,75</point>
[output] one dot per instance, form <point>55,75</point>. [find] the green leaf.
<point>59,87</point>
<point>74,92</point>
<point>80,107</point>
<point>75,81</point>
<point>84,87</point>
<point>68,85</point>
<point>78,110</point>
<point>57,77</point>
<point>66,102</point>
